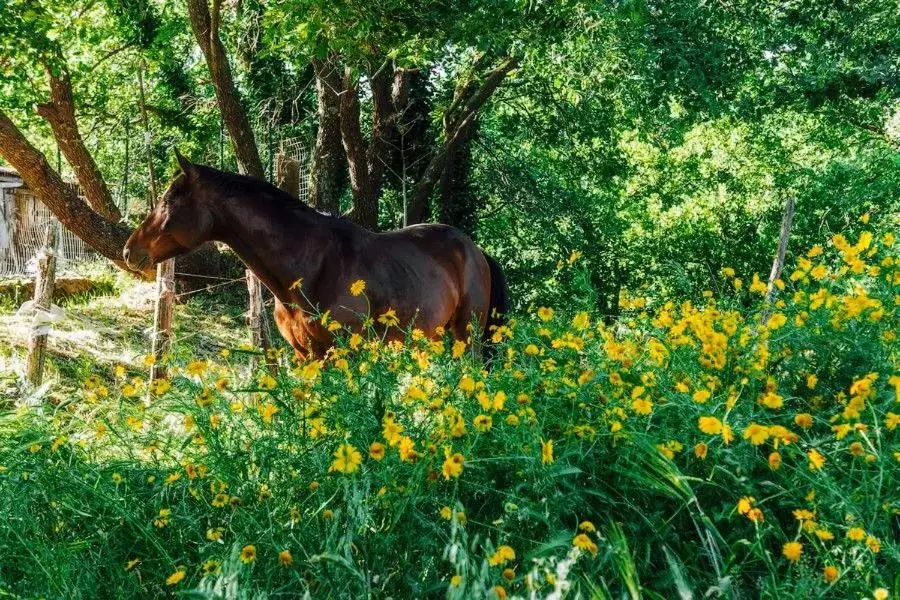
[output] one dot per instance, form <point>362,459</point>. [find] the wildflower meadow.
<point>729,447</point>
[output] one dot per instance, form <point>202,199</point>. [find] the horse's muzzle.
<point>136,258</point>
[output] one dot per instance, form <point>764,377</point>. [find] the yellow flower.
<point>774,461</point>
<point>357,287</point>
<point>804,420</point>
<point>392,431</point>
<point>547,452</point>
<point>453,465</point>
<point>177,576</point>
<point>459,348</point>
<point>830,574</point>
<point>710,425</point>
<point>214,534</point>
<point>346,459</point>
<point>163,519</point>
<point>248,554</point>
<point>583,542</point>
<point>267,411</point>
<point>772,400</point>
<point>816,460</point>
<point>544,313</point>
<point>701,450</point>
<point>376,451</point>
<point>701,396</point>
<point>456,580</point>
<point>891,420</point>
<point>267,382</point>
<point>874,544</point>
<point>745,504</point>
<point>756,433</point>
<point>503,555</point>
<point>389,318</point>
<point>587,526</point>
<point>857,534</point>
<point>792,551</point>
<point>642,406</point>
<point>285,559</point>
<point>446,513</point>
<point>196,367</point>
<point>581,320</point>
<point>355,341</point>
<point>210,566</point>
<point>407,449</point>
<point>483,423</point>
<point>880,594</point>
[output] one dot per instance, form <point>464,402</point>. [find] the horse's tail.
<point>499,305</point>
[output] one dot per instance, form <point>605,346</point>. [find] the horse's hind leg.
<point>469,320</point>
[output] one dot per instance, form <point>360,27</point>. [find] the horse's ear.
<point>186,166</point>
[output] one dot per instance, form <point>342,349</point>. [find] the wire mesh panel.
<point>298,149</point>
<point>23,221</point>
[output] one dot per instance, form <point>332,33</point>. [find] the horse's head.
<point>179,223</point>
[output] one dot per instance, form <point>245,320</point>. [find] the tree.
<point>106,237</point>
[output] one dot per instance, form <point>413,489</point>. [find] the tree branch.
<point>461,128</point>
<point>103,236</point>
<point>59,113</point>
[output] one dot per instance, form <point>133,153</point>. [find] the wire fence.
<point>298,149</point>
<point>23,222</point>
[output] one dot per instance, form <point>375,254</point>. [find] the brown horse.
<point>431,276</point>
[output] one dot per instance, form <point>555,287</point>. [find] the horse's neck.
<point>289,245</point>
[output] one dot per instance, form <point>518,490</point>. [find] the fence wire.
<point>298,149</point>
<point>23,222</point>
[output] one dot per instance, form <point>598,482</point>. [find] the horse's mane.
<point>234,184</point>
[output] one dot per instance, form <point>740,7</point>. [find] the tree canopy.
<point>658,140</point>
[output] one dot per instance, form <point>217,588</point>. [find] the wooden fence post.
<point>162,317</point>
<point>44,282</point>
<point>259,328</point>
<point>778,264</point>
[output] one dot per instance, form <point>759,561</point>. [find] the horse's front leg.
<point>285,321</point>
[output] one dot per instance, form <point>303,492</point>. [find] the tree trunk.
<point>328,173</point>
<point>459,121</point>
<point>383,125</point>
<point>101,235</point>
<point>365,202</point>
<point>59,112</point>
<point>205,25</point>
<point>459,206</point>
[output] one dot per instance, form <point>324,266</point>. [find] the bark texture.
<point>459,125</point>
<point>59,113</point>
<point>329,169</point>
<point>205,25</point>
<point>365,202</point>
<point>105,237</point>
